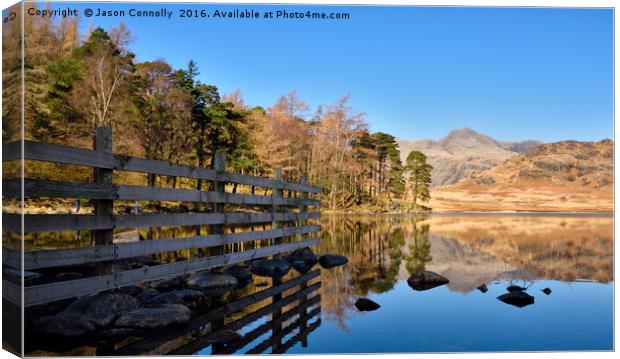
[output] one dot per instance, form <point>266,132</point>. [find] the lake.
<point>570,255</point>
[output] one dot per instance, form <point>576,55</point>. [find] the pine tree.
<point>419,179</point>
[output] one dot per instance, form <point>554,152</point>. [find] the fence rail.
<point>273,210</point>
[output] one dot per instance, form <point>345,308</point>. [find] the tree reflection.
<point>420,248</point>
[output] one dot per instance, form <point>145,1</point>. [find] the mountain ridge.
<point>463,151</point>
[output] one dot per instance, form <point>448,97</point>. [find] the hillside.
<point>462,152</point>
<point>566,176</point>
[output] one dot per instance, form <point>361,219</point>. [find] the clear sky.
<point>417,72</point>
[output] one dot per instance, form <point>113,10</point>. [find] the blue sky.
<point>417,72</point>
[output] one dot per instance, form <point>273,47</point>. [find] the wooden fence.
<point>287,216</point>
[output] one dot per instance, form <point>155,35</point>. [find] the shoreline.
<point>472,213</point>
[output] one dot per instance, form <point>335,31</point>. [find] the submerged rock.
<point>515,288</point>
<point>212,284</point>
<point>301,267</point>
<point>63,325</point>
<point>154,317</point>
<point>242,274</point>
<point>517,298</point>
<point>183,296</point>
<point>547,291</point>
<point>86,314</point>
<point>274,268</point>
<point>331,260</point>
<point>147,295</point>
<point>483,288</point>
<point>424,280</point>
<point>303,255</point>
<point>366,305</point>
<point>170,284</point>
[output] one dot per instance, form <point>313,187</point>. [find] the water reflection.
<point>474,252</point>
<point>549,278</point>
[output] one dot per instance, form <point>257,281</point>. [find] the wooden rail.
<point>287,218</point>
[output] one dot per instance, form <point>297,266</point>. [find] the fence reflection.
<point>293,309</point>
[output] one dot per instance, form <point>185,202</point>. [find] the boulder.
<point>242,274</point>
<point>483,288</point>
<point>86,314</point>
<point>212,285</point>
<point>517,298</point>
<point>183,296</point>
<point>101,309</point>
<point>366,305</point>
<point>302,255</point>
<point>547,291</point>
<point>147,295</point>
<point>63,325</point>
<point>170,284</point>
<point>154,317</point>
<point>132,290</point>
<point>330,260</point>
<point>274,268</point>
<point>301,267</point>
<point>424,280</point>
<point>515,288</point>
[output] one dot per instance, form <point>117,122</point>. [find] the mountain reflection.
<point>469,250</point>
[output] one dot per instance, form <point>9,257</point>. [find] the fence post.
<point>303,208</point>
<point>277,314</point>
<point>219,164</point>
<point>103,207</point>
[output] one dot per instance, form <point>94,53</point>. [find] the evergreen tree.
<point>419,179</point>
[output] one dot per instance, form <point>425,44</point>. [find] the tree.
<point>390,171</point>
<point>419,179</point>
<point>106,65</point>
<point>164,124</point>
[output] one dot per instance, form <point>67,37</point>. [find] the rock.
<point>517,298</point>
<point>86,314</point>
<point>101,309</point>
<point>154,317</point>
<point>147,295</point>
<point>242,274</point>
<point>171,284</point>
<point>212,284</point>
<point>274,268</point>
<point>63,325</point>
<point>547,291</point>
<point>424,280</point>
<point>224,336</point>
<point>483,288</point>
<point>366,305</point>
<point>132,290</point>
<point>301,267</point>
<point>302,255</point>
<point>183,296</point>
<point>515,288</point>
<point>330,260</point>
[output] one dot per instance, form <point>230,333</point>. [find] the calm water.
<point>571,255</point>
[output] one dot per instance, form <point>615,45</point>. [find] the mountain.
<point>462,152</point>
<point>567,176</point>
